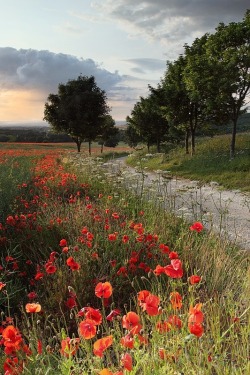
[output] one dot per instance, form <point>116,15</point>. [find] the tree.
<point>148,121</point>
<point>109,133</point>
<point>79,109</point>
<point>174,100</point>
<point>196,76</point>
<point>132,138</point>
<point>228,53</point>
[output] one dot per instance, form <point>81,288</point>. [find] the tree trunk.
<point>233,139</point>
<point>101,148</point>
<point>148,147</point>
<point>192,142</point>
<point>186,141</point>
<point>78,144</point>
<point>90,147</point>
<point>193,125</point>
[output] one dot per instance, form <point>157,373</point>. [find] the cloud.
<point>184,20</point>
<point>44,70</point>
<point>144,65</point>
<point>32,75</point>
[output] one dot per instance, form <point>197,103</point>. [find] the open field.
<point>62,146</point>
<point>94,280</point>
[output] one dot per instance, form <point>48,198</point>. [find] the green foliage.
<point>14,172</point>
<point>147,123</point>
<point>79,109</point>
<point>205,87</point>
<point>211,162</point>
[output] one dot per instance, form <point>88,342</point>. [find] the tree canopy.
<point>79,109</point>
<point>148,121</point>
<point>205,87</point>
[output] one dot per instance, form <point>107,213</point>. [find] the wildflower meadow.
<point>96,280</point>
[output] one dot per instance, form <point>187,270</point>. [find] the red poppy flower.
<point>162,353</point>
<point>33,307</point>
<point>159,270</point>
<point>50,268</point>
<point>93,314</point>
<point>163,327</point>
<point>151,305</point>
<point>113,263</point>
<point>112,236</point>
<point>195,320</point>
<point>131,322</point>
<point>113,314</point>
<point>174,270</point>
<point>71,303</point>
<point>12,337</point>
<point>125,239</point>
<point>173,255</point>
<point>126,361</point>
<point>63,243</point>
<point>128,342</point>
<point>195,314</point>
<point>87,329</point>
<point>176,300</point>
<point>12,366</point>
<point>2,285</point>
<point>103,290</point>
<point>69,346</point>
<point>164,248</point>
<point>73,264</point>
<point>194,279</point>
<point>39,347</point>
<point>142,295</point>
<point>196,329</point>
<point>175,321</point>
<point>39,276</point>
<point>32,295</point>
<point>122,271</point>
<point>101,345</point>
<point>197,227</point>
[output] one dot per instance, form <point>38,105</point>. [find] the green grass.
<point>210,163</point>
<point>223,291</point>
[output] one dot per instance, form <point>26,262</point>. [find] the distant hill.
<point>23,125</point>
<point>121,124</point>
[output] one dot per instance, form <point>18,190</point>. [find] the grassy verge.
<point>211,162</point>
<point>178,302</point>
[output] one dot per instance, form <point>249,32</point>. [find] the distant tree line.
<point>204,88</point>
<point>43,135</point>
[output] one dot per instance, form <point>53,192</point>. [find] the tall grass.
<point>83,211</point>
<point>210,163</point>
<point>14,172</point>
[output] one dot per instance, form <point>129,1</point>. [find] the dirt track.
<point>225,212</point>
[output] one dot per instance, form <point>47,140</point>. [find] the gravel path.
<point>224,212</point>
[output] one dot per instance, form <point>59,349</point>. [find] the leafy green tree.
<point>196,78</point>
<point>108,133</point>
<point>132,138</point>
<point>148,121</point>
<point>79,109</point>
<point>174,101</point>
<point>228,53</point>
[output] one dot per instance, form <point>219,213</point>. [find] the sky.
<point>124,44</point>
